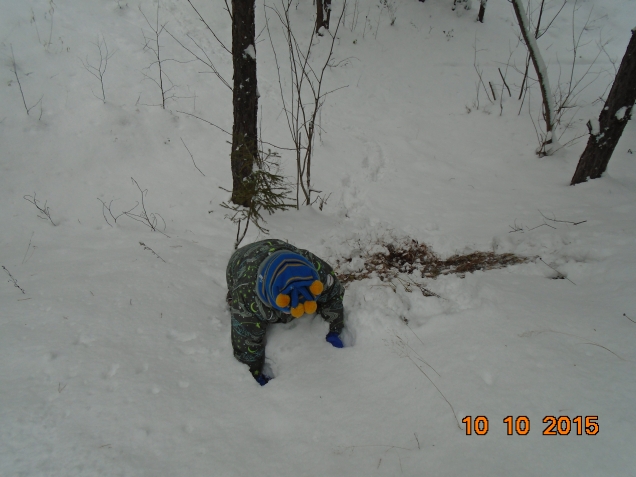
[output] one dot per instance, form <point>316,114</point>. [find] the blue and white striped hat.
<point>288,282</point>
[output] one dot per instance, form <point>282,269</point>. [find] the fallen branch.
<point>43,209</point>
<point>562,221</point>
<point>152,251</point>
<point>560,275</point>
<point>15,282</point>
<point>517,228</point>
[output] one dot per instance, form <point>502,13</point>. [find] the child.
<point>274,282</point>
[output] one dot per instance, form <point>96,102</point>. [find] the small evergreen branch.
<point>269,192</point>
<point>42,209</point>
<point>15,282</point>
<point>152,251</point>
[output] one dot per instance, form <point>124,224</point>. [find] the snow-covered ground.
<point>115,357</point>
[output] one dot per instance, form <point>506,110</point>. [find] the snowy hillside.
<point>115,353</point>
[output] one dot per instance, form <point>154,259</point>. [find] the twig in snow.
<point>403,352</point>
<point>110,211</point>
<point>416,353</point>
<point>504,82</point>
<point>628,318</point>
<point>541,225</point>
<point>100,70</point>
<point>14,68</point>
<point>152,251</point>
<point>560,275</point>
<point>149,220</point>
<point>25,259</point>
<point>15,282</point>
<point>492,88</point>
<point>575,336</point>
<point>195,164</point>
<point>562,221</point>
<point>43,209</point>
<point>601,346</point>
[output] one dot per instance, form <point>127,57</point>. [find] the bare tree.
<point>244,101</point>
<point>305,96</point>
<point>604,136</point>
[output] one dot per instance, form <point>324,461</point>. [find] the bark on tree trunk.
<point>319,15</point>
<point>482,10</point>
<point>323,13</point>
<point>327,15</point>
<point>244,100</point>
<point>612,121</point>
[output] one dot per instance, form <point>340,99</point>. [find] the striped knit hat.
<point>288,282</point>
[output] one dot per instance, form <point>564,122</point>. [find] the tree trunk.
<point>612,121</point>
<point>482,10</point>
<point>244,101</point>
<point>323,13</point>
<point>540,69</point>
<point>327,16</point>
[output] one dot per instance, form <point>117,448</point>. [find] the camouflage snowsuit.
<point>250,316</point>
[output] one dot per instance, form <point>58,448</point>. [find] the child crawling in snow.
<point>274,282</point>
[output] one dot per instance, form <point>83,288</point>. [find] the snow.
<point>117,358</point>
<point>251,52</point>
<point>594,127</point>
<point>620,114</point>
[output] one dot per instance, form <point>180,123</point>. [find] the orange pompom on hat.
<point>289,282</point>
